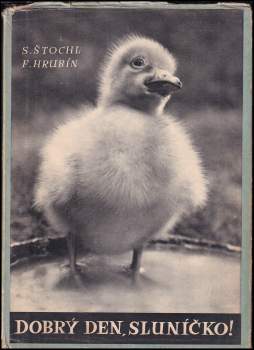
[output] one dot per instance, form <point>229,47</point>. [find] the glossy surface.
<point>173,281</point>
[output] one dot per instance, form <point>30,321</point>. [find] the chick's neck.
<point>151,105</point>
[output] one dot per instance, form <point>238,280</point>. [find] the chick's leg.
<point>72,249</point>
<point>75,270</point>
<point>136,262</point>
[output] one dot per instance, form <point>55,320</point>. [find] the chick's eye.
<point>138,62</point>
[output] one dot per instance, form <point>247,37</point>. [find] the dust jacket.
<point>127,175</point>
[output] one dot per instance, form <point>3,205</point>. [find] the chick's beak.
<point>163,83</point>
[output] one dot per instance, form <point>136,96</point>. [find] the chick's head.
<point>140,73</point>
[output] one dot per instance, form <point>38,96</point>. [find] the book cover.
<point>127,175</point>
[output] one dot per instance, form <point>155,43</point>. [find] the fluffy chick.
<point>125,169</point>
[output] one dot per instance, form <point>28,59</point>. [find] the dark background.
<point>208,47</point>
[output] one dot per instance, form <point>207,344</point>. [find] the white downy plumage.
<point>123,170</point>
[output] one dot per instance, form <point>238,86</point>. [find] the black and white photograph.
<point>126,166</point>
